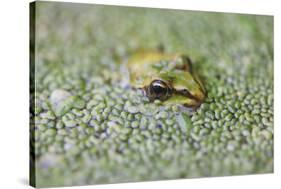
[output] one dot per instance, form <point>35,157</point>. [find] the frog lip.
<point>193,106</point>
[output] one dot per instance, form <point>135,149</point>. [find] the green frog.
<point>166,77</point>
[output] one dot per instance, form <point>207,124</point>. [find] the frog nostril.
<point>185,92</point>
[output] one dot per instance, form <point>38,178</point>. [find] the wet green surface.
<point>90,127</point>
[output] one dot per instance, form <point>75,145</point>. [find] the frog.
<point>167,77</point>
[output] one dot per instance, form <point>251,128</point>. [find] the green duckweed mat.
<point>89,127</point>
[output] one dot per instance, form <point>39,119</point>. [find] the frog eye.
<point>159,89</point>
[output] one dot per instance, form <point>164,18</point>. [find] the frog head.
<point>177,87</point>
<point>169,78</point>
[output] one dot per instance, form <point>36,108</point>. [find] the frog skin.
<point>167,77</point>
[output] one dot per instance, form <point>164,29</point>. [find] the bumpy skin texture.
<point>89,127</point>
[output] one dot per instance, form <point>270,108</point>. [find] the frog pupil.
<point>159,89</point>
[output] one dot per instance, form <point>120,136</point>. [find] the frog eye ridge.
<point>185,64</point>
<point>158,90</point>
